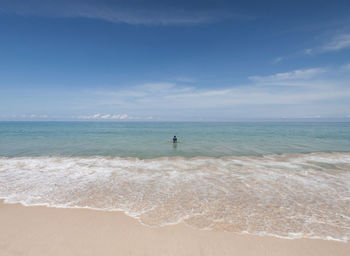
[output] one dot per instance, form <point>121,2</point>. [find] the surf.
<point>287,195</point>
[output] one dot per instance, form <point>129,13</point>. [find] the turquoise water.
<point>290,180</point>
<point>153,139</point>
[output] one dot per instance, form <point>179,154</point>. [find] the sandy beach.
<point>159,128</point>
<point>52,231</point>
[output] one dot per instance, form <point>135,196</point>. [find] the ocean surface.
<point>290,180</point>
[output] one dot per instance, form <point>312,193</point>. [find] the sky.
<point>98,60</point>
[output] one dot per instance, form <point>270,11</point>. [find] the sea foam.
<point>289,195</point>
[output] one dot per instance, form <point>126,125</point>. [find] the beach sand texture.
<point>52,231</point>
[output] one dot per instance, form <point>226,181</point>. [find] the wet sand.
<point>52,231</point>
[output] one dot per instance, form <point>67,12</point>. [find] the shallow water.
<point>150,140</point>
<point>273,184</point>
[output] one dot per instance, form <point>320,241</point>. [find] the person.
<point>174,139</point>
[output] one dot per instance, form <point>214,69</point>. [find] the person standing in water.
<point>174,139</point>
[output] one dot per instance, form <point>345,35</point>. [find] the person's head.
<point>174,136</point>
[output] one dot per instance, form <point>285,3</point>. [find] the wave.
<point>289,195</point>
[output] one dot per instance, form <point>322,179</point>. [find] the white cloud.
<point>309,86</point>
<point>31,116</point>
<point>337,43</point>
<point>315,91</point>
<point>121,117</point>
<point>278,59</point>
<point>99,116</point>
<point>105,116</point>
<point>94,116</point>
<point>130,12</point>
<point>287,77</point>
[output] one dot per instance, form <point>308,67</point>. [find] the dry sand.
<point>51,231</point>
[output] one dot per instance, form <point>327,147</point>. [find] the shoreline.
<point>40,230</point>
<point>120,211</point>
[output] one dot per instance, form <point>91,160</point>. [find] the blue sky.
<point>174,60</point>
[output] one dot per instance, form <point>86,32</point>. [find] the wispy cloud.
<point>308,51</point>
<point>130,12</point>
<point>33,116</point>
<point>173,98</point>
<point>289,78</point>
<point>278,59</point>
<point>336,43</point>
<point>316,91</point>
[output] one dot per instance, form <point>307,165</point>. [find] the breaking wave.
<point>289,195</point>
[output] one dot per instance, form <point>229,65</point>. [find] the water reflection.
<point>174,145</point>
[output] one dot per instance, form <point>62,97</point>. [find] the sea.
<point>284,179</point>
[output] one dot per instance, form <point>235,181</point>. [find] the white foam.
<point>290,196</point>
